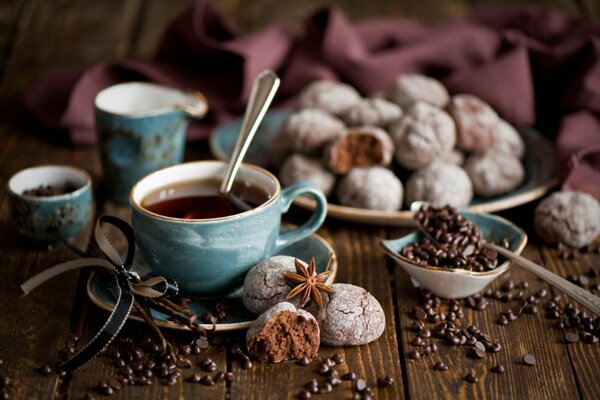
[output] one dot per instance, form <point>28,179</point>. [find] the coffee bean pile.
<point>332,380</point>
<point>51,190</point>
<point>458,242</point>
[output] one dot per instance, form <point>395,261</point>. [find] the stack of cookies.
<point>359,151</point>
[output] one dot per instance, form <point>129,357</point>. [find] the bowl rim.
<point>64,196</point>
<point>496,271</point>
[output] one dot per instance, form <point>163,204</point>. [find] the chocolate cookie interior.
<point>286,336</point>
<point>356,149</point>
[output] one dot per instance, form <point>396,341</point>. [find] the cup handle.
<point>314,222</point>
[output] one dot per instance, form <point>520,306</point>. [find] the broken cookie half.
<point>283,332</point>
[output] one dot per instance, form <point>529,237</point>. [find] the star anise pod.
<point>307,283</point>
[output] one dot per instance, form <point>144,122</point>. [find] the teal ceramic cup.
<point>210,257</point>
<point>141,128</point>
<point>51,219</point>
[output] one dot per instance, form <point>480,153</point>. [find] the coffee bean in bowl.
<point>464,267</point>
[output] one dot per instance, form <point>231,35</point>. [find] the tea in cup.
<point>187,231</point>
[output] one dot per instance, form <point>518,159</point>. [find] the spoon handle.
<point>581,295</point>
<point>263,90</point>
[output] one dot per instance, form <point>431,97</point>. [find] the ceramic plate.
<point>102,291</point>
<point>538,163</point>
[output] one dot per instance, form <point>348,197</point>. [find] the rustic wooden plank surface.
<point>585,358</point>
<point>528,334</point>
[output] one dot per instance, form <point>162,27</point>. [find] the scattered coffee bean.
<point>44,370</point>
<point>571,337</point>
<point>207,380</point>
<point>476,353</point>
<point>385,382</point>
<point>416,326</point>
<point>420,314</point>
<point>414,354</point>
<point>304,394</point>
<point>350,376</point>
<point>440,366</point>
<point>360,385</point>
<point>529,359</point>
<point>325,388</point>
<point>499,369</point>
<point>324,369</point>
<point>194,378</point>
<point>472,378</point>
<point>338,358</point>
<point>304,361</point>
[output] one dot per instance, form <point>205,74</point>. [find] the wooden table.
<point>35,35</point>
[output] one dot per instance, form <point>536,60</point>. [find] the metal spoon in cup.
<point>584,297</point>
<point>263,90</point>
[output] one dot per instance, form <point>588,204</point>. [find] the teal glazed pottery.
<point>47,220</point>
<point>458,283</point>
<point>141,128</point>
<point>210,257</point>
<point>103,292</point>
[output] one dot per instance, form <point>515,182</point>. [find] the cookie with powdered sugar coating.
<point>422,135</point>
<point>440,184</point>
<point>333,97</point>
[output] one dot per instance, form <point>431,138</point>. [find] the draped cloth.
<point>535,66</point>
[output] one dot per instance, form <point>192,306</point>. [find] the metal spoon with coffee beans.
<point>469,239</point>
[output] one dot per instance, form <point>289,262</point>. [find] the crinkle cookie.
<point>334,97</point>
<point>372,112</point>
<point>475,122</point>
<point>571,217</point>
<point>408,88</point>
<point>422,135</point>
<point>283,333</point>
<point>306,131</point>
<point>301,168</point>
<point>351,316</point>
<point>453,157</point>
<point>440,184</point>
<point>494,173</point>
<point>366,146</point>
<point>265,285</point>
<point>373,188</point>
<point>507,140</point>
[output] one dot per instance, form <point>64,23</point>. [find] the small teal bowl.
<point>459,283</point>
<point>51,219</point>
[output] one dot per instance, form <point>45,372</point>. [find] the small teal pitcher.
<point>141,128</point>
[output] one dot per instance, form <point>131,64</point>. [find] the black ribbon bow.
<point>128,283</point>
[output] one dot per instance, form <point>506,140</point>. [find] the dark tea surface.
<point>200,199</point>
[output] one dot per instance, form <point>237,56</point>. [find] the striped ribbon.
<point>128,284</point>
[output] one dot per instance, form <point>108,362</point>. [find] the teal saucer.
<point>103,291</point>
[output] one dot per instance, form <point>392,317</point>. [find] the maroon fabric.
<point>535,66</point>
